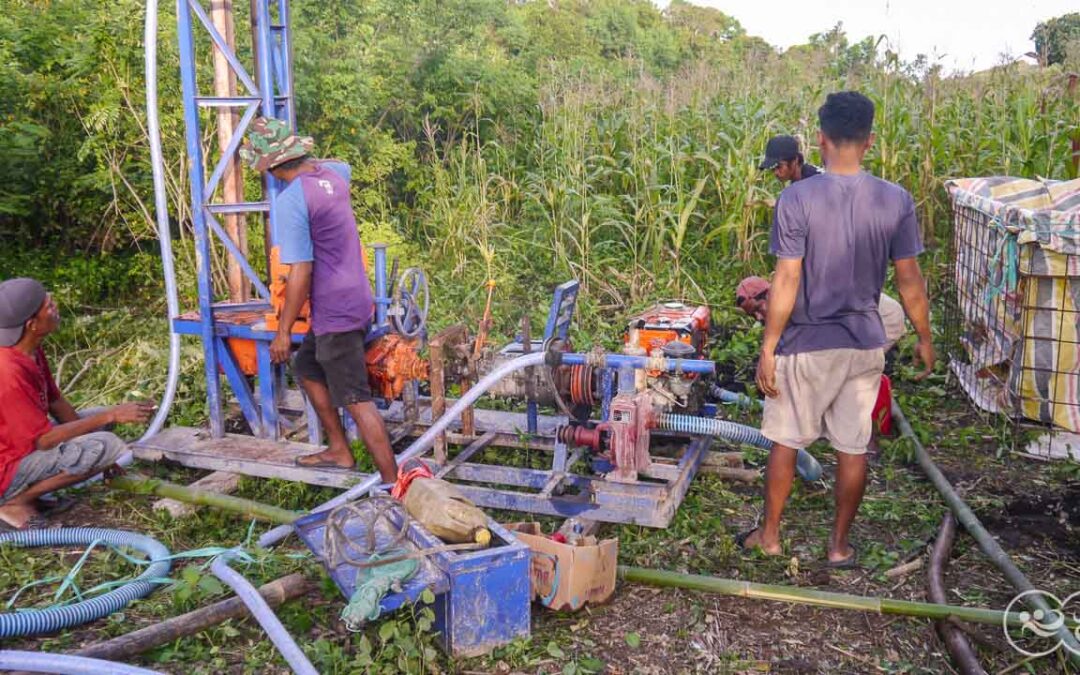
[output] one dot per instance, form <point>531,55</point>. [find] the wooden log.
<point>731,459</point>
<point>275,593</point>
<point>232,182</point>
<point>961,651</point>
<point>221,482</point>
<point>728,473</point>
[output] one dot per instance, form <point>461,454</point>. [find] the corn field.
<point>642,188</point>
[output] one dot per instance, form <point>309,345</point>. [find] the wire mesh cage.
<point>1012,315</point>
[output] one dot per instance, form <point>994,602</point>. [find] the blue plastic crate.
<point>482,598</point>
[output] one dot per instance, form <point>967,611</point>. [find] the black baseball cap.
<point>20,300</point>
<point>779,149</point>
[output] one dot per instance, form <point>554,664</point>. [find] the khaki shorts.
<point>828,393</point>
<point>93,452</point>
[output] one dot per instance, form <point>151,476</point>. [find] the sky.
<point>965,35</point>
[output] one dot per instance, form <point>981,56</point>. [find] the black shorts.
<point>336,360</point>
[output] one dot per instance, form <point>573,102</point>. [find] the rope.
<point>1004,263</point>
<point>380,568</point>
<point>341,550</point>
<point>406,477</point>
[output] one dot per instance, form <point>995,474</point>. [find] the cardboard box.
<point>567,577</point>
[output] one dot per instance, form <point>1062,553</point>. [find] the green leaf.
<point>427,597</point>
<point>387,630</point>
<point>633,640</point>
<point>592,665</point>
<point>554,651</point>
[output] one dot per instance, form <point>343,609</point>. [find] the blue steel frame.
<point>269,93</point>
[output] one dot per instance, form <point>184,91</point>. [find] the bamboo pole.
<point>986,542</point>
<point>125,646</point>
<point>245,507</point>
<point>811,596</point>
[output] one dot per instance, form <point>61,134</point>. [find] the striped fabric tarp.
<point>1022,317</point>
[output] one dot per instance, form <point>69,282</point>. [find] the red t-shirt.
<point>27,389</point>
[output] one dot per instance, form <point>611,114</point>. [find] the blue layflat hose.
<point>37,622</point>
<point>808,468</point>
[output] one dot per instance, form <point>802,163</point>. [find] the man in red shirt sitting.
<point>36,456</point>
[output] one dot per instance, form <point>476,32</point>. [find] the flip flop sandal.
<point>33,523</point>
<point>848,563</point>
<point>54,506</point>
<point>321,464</point>
<point>740,538</point>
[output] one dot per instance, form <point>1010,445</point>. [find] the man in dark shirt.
<point>783,158</point>
<point>834,235</point>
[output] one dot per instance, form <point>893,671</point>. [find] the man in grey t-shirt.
<point>834,235</point>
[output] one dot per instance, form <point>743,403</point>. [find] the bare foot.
<point>328,459</point>
<point>17,515</point>
<point>756,539</point>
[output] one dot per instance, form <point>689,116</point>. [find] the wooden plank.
<point>463,456</point>
<point>219,481</point>
<point>241,454</point>
<point>510,423</point>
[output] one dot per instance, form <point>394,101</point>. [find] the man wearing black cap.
<point>36,456</point>
<point>783,158</point>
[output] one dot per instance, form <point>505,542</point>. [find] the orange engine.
<point>671,322</point>
<point>279,272</point>
<point>391,362</point>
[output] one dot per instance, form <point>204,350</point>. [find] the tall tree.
<point>1056,38</point>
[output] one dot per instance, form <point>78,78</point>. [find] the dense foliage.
<point>520,141</point>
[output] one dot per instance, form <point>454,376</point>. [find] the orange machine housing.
<point>244,350</point>
<point>391,362</point>
<point>671,322</point>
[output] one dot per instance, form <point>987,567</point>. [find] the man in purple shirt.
<point>834,235</point>
<point>317,237</point>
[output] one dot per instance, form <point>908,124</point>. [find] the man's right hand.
<point>281,347</point>
<point>924,352</point>
<point>132,413</point>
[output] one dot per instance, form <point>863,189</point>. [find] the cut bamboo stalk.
<point>220,482</point>
<point>275,593</point>
<point>811,596</point>
<point>246,507</point>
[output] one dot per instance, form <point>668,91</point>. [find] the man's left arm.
<point>905,246</point>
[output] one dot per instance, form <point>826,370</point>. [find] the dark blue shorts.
<point>337,361</point>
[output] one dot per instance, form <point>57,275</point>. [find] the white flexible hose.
<point>161,207</point>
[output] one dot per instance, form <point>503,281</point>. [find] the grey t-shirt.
<point>846,229</point>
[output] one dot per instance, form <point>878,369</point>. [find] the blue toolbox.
<point>482,597</point>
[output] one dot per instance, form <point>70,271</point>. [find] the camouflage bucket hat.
<point>271,142</point>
